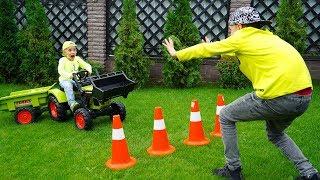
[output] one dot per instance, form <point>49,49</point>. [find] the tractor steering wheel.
<point>81,75</point>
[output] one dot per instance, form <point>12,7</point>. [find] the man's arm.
<point>202,50</point>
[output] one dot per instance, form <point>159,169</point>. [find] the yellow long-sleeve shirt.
<point>67,67</point>
<point>273,66</point>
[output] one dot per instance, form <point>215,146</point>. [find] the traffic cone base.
<point>170,150</point>
<point>201,142</point>
<point>216,134</point>
<point>119,166</point>
<point>120,158</point>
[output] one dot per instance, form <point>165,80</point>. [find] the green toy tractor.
<point>94,94</point>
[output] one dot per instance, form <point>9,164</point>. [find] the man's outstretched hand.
<point>206,40</point>
<point>168,43</point>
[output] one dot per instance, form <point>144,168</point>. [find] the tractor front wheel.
<point>82,119</point>
<point>57,110</point>
<point>118,108</point>
<point>24,115</point>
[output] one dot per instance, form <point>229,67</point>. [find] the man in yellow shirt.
<point>68,65</point>
<point>281,81</point>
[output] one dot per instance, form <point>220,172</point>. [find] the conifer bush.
<point>97,66</point>
<point>289,27</point>
<point>129,54</point>
<point>9,63</point>
<point>179,25</point>
<point>230,75</point>
<point>37,52</point>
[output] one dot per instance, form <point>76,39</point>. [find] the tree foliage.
<point>129,54</point>
<point>9,63</point>
<point>290,26</point>
<point>230,74</point>
<point>37,53</point>
<point>179,26</point>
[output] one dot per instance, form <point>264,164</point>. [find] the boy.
<point>281,81</point>
<point>68,65</point>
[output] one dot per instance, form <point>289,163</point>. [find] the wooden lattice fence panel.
<point>68,21</point>
<point>311,11</point>
<point>210,17</point>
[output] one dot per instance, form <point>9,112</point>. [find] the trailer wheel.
<point>82,119</point>
<point>24,115</point>
<point>57,110</point>
<point>118,108</point>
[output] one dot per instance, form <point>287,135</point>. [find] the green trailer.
<point>27,105</point>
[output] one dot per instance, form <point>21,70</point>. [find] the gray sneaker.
<point>226,172</point>
<point>313,177</point>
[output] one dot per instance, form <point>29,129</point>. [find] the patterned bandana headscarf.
<point>246,15</point>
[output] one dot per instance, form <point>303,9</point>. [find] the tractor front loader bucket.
<point>111,85</point>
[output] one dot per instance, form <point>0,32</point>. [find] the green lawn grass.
<point>48,149</point>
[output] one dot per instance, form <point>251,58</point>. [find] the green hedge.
<point>37,53</point>
<point>179,26</point>
<point>230,74</point>
<point>9,63</point>
<point>129,54</point>
<point>289,27</point>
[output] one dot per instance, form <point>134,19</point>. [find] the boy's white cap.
<point>68,44</point>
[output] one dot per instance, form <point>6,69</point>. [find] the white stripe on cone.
<point>219,109</point>
<point>118,134</point>
<point>159,124</point>
<point>195,116</point>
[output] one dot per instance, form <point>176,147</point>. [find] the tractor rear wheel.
<point>82,119</point>
<point>57,110</point>
<point>24,115</point>
<point>118,108</point>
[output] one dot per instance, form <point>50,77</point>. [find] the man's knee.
<point>223,115</point>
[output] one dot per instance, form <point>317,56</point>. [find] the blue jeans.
<point>278,113</point>
<point>67,85</point>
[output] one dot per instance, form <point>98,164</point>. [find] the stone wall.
<point>239,3</point>
<point>314,68</point>
<point>97,30</point>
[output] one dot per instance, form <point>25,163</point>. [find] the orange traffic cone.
<point>120,155</point>
<point>196,133</point>
<point>160,144</point>
<point>220,104</point>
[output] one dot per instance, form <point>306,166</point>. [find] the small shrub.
<point>37,53</point>
<point>290,26</point>
<point>9,63</point>
<point>179,74</point>
<point>129,54</point>
<point>96,66</point>
<point>184,33</point>
<point>230,74</point>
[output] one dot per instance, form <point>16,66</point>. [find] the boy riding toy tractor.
<point>93,93</point>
